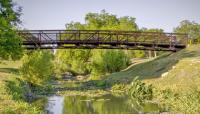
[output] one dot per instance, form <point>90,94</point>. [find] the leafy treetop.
<point>10,42</point>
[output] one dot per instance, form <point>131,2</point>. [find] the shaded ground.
<point>9,70</point>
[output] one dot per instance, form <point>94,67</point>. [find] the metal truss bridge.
<point>102,39</point>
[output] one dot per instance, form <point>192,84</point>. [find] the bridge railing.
<point>97,37</point>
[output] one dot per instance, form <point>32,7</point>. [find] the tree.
<point>108,61</point>
<point>97,62</point>
<point>72,60</point>
<point>127,23</point>
<point>37,67</point>
<point>106,21</point>
<point>190,28</point>
<point>10,42</point>
<point>75,26</point>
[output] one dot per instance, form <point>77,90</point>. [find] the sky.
<point>54,14</point>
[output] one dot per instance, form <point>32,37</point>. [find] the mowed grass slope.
<point>185,74</point>
<point>9,67</point>
<point>179,66</point>
<point>7,70</point>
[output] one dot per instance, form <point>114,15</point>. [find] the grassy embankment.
<point>175,78</point>
<point>8,102</point>
<point>180,69</point>
<point>6,70</point>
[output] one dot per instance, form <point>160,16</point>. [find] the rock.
<point>164,74</point>
<point>67,75</point>
<point>79,77</point>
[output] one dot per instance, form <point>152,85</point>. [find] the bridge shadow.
<point>9,70</point>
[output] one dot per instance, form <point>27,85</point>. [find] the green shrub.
<point>184,102</point>
<point>15,87</point>
<point>37,67</point>
<point>101,84</point>
<point>22,108</point>
<point>108,61</point>
<point>119,88</point>
<point>75,61</point>
<point>141,91</point>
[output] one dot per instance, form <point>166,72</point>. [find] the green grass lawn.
<point>7,70</point>
<point>9,67</point>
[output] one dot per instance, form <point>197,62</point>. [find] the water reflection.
<point>55,105</point>
<point>108,104</point>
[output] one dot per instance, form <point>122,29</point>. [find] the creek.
<point>107,104</point>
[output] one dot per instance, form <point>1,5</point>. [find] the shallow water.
<point>108,104</point>
<point>55,105</point>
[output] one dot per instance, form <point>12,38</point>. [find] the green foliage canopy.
<point>37,67</point>
<point>10,47</point>
<point>108,61</point>
<point>72,60</point>
<point>190,28</point>
<point>96,62</point>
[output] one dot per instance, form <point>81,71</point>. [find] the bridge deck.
<point>102,39</point>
